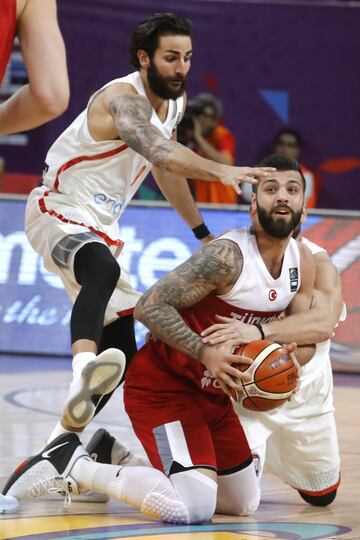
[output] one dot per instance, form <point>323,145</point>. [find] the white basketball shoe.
<point>8,504</point>
<point>98,378</point>
<point>48,471</point>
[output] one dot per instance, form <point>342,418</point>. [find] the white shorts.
<point>298,441</point>
<point>57,242</point>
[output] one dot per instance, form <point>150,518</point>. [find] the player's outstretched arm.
<point>211,270</point>
<point>131,114</point>
<point>317,324</point>
<point>47,94</point>
<point>177,192</point>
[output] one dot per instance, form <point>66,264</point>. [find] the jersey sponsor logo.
<point>272,295</point>
<point>249,317</point>
<point>111,204</point>
<point>48,453</point>
<point>207,380</point>
<point>294,279</point>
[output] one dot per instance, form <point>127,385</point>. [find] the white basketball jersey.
<point>99,178</point>
<point>260,297</point>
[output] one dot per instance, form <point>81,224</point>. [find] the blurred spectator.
<point>203,132</point>
<point>288,142</point>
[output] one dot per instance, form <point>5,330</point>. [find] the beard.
<point>159,84</point>
<point>277,226</point>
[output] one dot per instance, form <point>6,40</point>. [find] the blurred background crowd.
<point>246,97</point>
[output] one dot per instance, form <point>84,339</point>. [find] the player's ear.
<point>143,57</point>
<point>253,206</point>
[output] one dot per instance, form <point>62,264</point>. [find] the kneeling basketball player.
<point>177,389</point>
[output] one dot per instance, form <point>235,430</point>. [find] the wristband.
<point>260,328</point>
<point>201,231</point>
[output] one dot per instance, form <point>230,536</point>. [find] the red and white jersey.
<point>256,296</point>
<point>99,178</point>
<point>259,296</point>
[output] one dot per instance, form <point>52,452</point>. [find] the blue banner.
<point>34,308</point>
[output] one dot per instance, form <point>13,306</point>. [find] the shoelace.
<point>52,485</point>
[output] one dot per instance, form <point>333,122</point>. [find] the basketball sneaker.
<point>48,471</point>
<point>98,378</point>
<point>8,504</point>
<point>104,448</point>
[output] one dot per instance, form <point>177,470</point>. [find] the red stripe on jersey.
<point>138,174</point>
<point>125,312</point>
<point>79,159</point>
<point>62,218</point>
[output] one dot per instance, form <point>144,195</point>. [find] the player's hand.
<point>220,361</point>
<point>291,348</point>
<point>228,329</point>
<point>234,176</point>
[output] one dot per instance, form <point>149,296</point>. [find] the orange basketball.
<point>273,375</point>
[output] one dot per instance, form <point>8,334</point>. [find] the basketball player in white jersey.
<point>298,442</point>
<point>92,171</point>
<point>177,389</point>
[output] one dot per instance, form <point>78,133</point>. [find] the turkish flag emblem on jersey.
<point>272,295</point>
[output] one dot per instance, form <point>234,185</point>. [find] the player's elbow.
<point>325,330</point>
<point>52,101</point>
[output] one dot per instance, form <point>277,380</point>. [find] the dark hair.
<point>209,100</point>
<point>281,163</point>
<point>289,131</point>
<point>147,34</point>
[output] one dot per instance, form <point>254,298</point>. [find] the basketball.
<point>273,376</point>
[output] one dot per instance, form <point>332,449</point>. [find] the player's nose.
<point>282,194</point>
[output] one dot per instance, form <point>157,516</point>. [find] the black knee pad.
<point>319,500</point>
<point>94,265</point>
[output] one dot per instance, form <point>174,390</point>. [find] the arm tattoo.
<point>132,115</point>
<point>213,268</point>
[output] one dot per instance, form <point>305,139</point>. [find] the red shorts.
<point>179,425</point>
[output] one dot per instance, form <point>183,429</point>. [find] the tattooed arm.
<point>213,269</point>
<point>120,112</point>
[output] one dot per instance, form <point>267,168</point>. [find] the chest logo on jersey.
<point>294,279</point>
<point>207,380</point>
<point>272,295</point>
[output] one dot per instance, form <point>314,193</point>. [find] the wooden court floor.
<point>31,394</point>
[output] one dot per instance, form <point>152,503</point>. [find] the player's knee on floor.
<point>198,493</point>
<point>189,497</point>
<point>238,492</point>
<point>319,499</point>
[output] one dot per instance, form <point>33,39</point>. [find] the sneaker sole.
<point>8,505</point>
<point>98,378</point>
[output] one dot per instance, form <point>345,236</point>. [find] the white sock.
<point>58,430</point>
<point>79,362</point>
<point>133,460</point>
<point>129,485</point>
